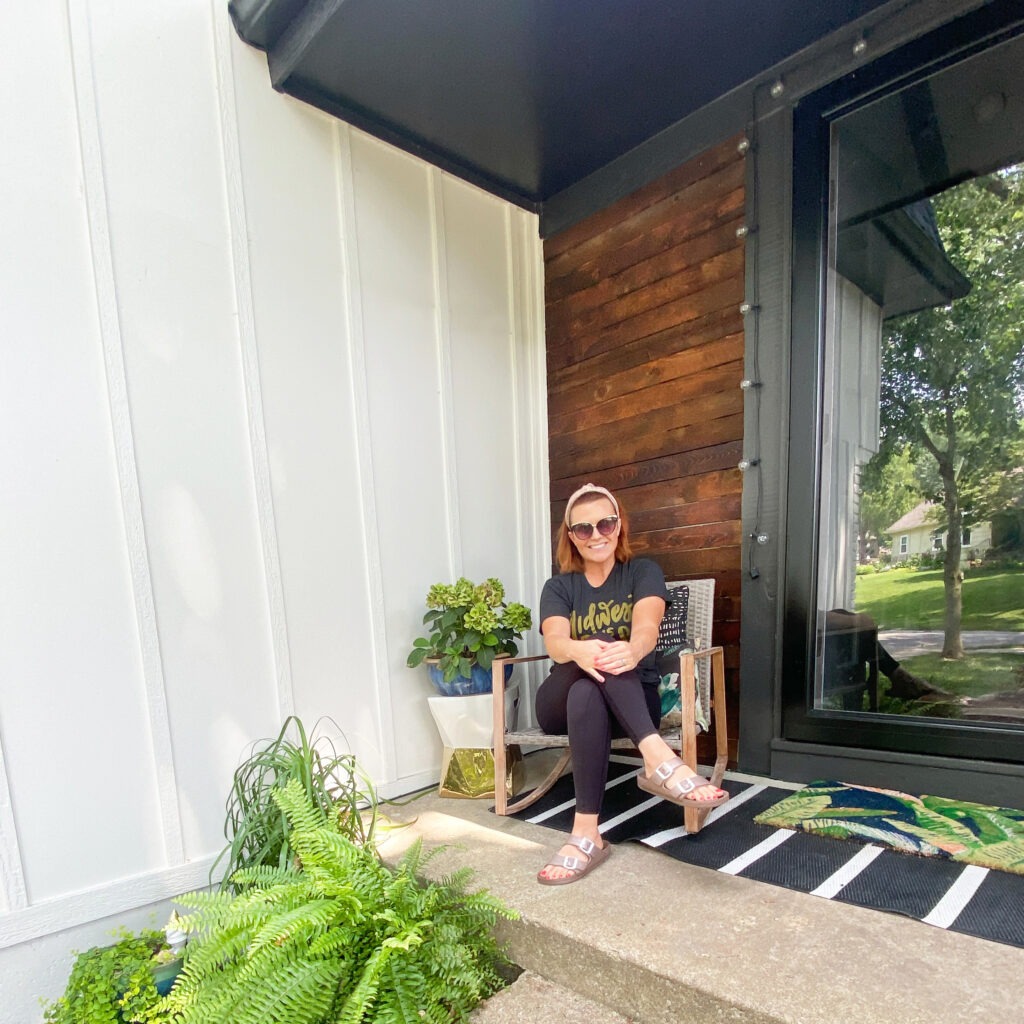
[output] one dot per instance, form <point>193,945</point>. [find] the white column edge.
<point>94,182</point>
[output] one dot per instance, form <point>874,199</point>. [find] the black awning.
<point>526,97</point>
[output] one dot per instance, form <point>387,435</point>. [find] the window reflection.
<point>921,547</point>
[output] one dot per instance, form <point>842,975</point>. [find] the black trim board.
<point>765,431</point>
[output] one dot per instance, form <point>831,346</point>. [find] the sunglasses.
<point>605,527</point>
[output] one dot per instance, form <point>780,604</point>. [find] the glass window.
<point>922,400</point>
<point>925,388</point>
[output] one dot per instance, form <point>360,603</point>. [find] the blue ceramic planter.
<point>479,681</point>
<point>165,975</point>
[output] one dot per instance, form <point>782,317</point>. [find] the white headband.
<point>589,489</point>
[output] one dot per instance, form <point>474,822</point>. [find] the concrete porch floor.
<point>649,940</point>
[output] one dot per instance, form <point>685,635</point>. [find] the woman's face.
<point>596,549</point>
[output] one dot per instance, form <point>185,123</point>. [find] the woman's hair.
<point>567,555</point>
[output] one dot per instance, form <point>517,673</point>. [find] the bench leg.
<point>531,798</point>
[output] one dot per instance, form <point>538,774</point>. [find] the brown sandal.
<point>680,792</point>
<point>595,854</point>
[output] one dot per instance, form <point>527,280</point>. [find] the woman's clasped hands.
<point>606,657</point>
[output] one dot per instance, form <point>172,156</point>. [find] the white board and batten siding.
<point>263,380</point>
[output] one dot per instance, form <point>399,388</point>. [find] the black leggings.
<point>592,713</point>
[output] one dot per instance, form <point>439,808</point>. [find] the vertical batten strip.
<point>121,426</point>
<point>536,386</point>
<point>520,487</point>
<point>242,279</point>
<point>364,488</point>
<point>443,341</point>
<point>13,895</point>
<point>526,321</point>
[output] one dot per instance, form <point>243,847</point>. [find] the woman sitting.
<point>599,618</point>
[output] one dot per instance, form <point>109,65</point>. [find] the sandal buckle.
<point>664,771</point>
<point>572,863</point>
<point>588,846</point>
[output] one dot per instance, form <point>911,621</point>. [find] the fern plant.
<point>256,827</point>
<point>337,938</point>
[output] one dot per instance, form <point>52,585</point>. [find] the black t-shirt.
<point>605,611</point>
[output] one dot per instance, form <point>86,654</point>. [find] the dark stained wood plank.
<point>694,279</point>
<point>682,277</point>
<point>685,224</point>
<point>687,538</point>
<point>679,470</point>
<point>644,362</point>
<point>727,634</point>
<point>728,587</point>
<point>590,229</point>
<point>662,497</point>
<point>693,513</point>
<point>718,296</point>
<point>690,252</point>
<point>728,608</point>
<point>686,438</point>
<point>651,430</point>
<point>705,562</point>
<point>666,381</point>
<point>616,383</point>
<point>703,389</point>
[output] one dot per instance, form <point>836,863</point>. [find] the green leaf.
<point>451,617</point>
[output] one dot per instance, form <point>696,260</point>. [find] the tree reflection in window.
<point>922,474</point>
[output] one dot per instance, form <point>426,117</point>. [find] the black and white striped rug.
<point>962,898</point>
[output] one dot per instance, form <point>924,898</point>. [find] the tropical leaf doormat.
<point>933,826</point>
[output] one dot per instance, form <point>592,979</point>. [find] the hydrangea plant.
<point>470,624</point>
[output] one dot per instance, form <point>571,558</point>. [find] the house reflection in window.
<point>925,254</point>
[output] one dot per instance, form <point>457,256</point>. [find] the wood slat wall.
<point>645,355</point>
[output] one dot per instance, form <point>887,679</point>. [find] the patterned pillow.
<point>672,640</point>
<point>673,625</point>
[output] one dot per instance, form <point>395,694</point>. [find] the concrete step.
<point>660,942</point>
<point>531,999</point>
